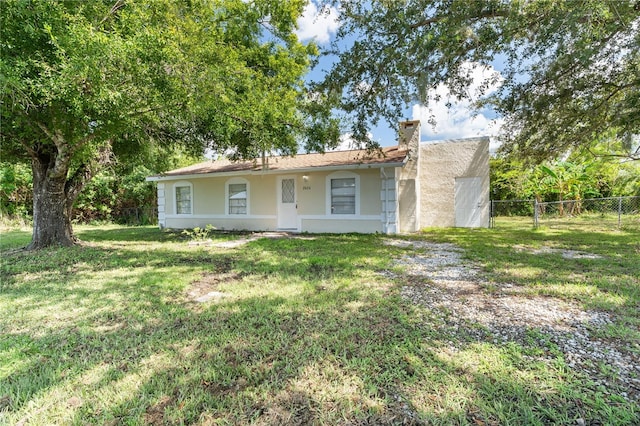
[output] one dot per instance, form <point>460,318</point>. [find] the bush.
<point>16,195</point>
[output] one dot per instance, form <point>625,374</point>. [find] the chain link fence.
<point>607,213</point>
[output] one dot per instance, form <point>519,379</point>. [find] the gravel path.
<point>451,288</point>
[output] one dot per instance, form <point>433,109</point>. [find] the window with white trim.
<point>238,198</point>
<point>184,198</point>
<point>343,193</point>
<point>237,193</point>
<point>343,196</point>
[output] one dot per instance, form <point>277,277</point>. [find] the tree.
<point>572,68</point>
<point>15,190</point>
<point>569,181</point>
<point>581,176</point>
<point>83,83</point>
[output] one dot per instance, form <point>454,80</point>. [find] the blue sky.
<point>453,122</point>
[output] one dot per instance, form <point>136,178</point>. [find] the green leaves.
<point>579,177</point>
<point>204,72</point>
<point>571,67</point>
<point>548,171</point>
<point>83,81</point>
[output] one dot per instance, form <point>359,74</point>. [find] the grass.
<point>598,222</point>
<point>308,331</point>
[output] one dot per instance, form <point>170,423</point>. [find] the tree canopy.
<point>571,75</point>
<point>83,83</point>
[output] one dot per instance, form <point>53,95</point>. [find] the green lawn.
<point>307,331</point>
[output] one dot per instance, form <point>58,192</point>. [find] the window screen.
<point>183,199</point>
<point>238,198</point>
<point>343,196</point>
<point>288,191</point>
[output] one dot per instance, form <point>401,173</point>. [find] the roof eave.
<point>359,166</point>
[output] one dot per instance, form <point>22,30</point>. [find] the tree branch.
<point>150,109</point>
<point>84,141</point>
<point>63,158</point>
<point>32,152</point>
<point>47,132</point>
<point>631,156</point>
<point>61,145</point>
<point>83,174</point>
<point>119,4</point>
<point>482,15</point>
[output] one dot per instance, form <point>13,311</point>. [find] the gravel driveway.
<point>451,288</point>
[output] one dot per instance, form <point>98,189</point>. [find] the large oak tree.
<point>571,77</point>
<point>83,83</point>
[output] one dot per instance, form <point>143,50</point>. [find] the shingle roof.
<point>347,159</point>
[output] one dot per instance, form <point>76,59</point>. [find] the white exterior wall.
<point>443,162</point>
<point>362,225</point>
<point>390,200</point>
<point>209,203</point>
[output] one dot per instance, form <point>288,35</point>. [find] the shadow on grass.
<point>147,234</point>
<point>127,234</point>
<point>16,239</point>
<point>257,360</point>
<point>509,256</point>
<point>311,335</point>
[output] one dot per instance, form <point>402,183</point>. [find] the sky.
<point>452,122</point>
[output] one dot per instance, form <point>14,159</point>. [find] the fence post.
<point>491,207</point>
<point>619,211</point>
<point>535,213</point>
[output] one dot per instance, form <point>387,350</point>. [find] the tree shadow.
<point>127,234</point>
<point>511,251</point>
<point>331,353</point>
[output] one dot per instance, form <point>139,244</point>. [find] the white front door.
<point>468,202</point>
<point>287,203</point>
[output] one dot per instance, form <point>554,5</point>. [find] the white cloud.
<point>347,143</point>
<point>318,24</point>
<point>454,118</point>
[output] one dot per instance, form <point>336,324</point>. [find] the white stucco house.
<point>402,189</point>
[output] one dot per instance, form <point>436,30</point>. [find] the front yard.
<point>453,326</point>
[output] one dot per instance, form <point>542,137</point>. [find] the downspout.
<point>386,200</point>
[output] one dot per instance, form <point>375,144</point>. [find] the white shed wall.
<point>443,162</point>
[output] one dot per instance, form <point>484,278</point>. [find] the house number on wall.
<point>306,188</point>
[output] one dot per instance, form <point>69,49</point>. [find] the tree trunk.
<point>51,217</point>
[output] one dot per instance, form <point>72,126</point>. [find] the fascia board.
<point>277,171</point>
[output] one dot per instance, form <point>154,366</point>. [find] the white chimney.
<point>409,137</point>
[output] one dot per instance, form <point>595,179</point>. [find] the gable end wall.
<point>441,164</point>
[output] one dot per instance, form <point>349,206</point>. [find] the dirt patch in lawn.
<point>206,288</point>
<point>565,253</point>
<point>155,414</point>
<point>289,408</point>
<point>249,238</point>
<point>467,309</point>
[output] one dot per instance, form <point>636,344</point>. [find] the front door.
<point>287,203</point>
<point>468,202</point>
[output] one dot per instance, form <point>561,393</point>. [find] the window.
<point>343,193</point>
<point>288,190</point>
<point>343,196</point>
<point>183,198</point>
<point>237,198</point>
